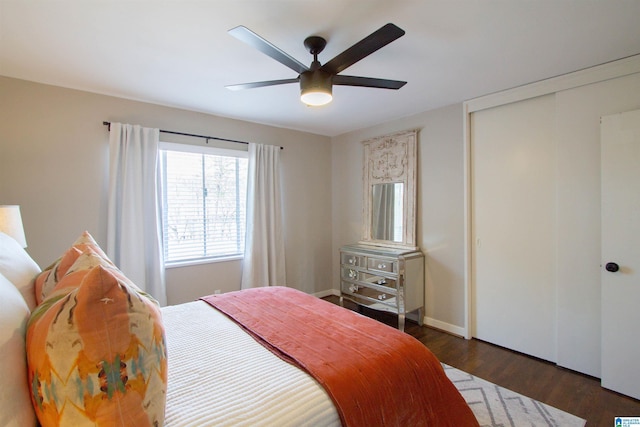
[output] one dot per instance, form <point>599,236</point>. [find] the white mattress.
<point>220,376</point>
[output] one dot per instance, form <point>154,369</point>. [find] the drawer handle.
<point>382,265</point>
<point>350,260</point>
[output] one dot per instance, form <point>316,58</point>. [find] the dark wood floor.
<point>572,392</point>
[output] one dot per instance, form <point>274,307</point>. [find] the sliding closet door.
<point>513,159</point>
<point>620,176</point>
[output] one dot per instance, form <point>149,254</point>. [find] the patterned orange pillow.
<point>84,262</point>
<point>47,280</point>
<point>96,354</point>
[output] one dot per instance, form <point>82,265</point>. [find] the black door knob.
<point>612,267</point>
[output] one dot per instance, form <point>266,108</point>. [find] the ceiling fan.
<point>316,81</point>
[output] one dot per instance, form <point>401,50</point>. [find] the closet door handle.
<point>612,267</point>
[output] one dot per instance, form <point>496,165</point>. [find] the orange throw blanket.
<point>375,374</point>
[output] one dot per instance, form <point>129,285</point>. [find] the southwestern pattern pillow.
<point>96,353</point>
<point>46,281</point>
<point>85,262</point>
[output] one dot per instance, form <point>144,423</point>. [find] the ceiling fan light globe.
<point>316,99</point>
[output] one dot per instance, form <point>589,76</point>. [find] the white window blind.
<point>204,202</point>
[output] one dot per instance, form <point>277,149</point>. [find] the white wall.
<point>440,205</point>
<point>54,164</point>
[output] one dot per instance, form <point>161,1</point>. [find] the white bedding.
<point>220,376</point>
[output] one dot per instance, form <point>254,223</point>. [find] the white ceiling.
<point>178,53</point>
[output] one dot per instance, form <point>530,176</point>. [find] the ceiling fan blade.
<point>244,34</point>
<point>261,84</point>
<point>367,82</point>
<point>363,48</point>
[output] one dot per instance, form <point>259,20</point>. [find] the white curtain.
<point>264,263</point>
<point>133,223</point>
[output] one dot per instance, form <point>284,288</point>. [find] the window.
<point>204,202</point>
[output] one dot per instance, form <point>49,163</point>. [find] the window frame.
<point>195,149</point>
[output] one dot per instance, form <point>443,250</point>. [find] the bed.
<point>83,345</point>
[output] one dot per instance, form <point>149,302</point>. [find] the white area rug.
<point>499,407</point>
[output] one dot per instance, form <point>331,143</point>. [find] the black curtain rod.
<point>206,137</point>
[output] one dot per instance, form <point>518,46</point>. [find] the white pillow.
<point>17,266</point>
<point>16,409</point>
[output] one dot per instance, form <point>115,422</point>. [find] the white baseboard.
<point>446,327</point>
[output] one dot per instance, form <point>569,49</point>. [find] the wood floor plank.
<point>564,389</point>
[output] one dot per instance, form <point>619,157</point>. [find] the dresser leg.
<point>341,301</point>
<point>401,322</point>
<point>421,316</point>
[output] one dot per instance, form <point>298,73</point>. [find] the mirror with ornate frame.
<point>389,194</point>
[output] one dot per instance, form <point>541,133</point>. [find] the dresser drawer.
<point>365,292</point>
<point>352,259</point>
<point>380,264</point>
<point>352,274</point>
<point>379,280</point>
